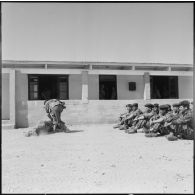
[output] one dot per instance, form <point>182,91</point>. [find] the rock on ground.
<point>95,159</point>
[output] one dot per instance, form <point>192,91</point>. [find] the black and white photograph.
<point>97,97</point>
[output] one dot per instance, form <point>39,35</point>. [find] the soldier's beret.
<point>128,105</point>
<point>149,105</point>
<point>184,103</point>
<point>135,104</point>
<point>168,105</point>
<point>156,105</point>
<point>176,105</point>
<point>164,107</point>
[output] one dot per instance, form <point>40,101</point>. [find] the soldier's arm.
<point>183,119</point>
<point>161,119</point>
<point>144,116</point>
<point>140,117</point>
<point>123,114</point>
<point>130,116</point>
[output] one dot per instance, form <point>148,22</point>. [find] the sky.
<point>101,32</point>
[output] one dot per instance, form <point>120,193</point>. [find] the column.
<point>12,95</point>
<point>85,86</point>
<point>147,86</point>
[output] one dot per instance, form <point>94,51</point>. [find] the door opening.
<point>107,87</point>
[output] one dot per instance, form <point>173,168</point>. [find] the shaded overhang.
<point>117,68</point>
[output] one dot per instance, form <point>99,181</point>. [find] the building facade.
<point>94,92</point>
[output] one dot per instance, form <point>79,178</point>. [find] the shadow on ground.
<point>51,132</point>
<point>74,131</point>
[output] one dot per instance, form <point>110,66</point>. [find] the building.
<point>96,56</point>
<point>86,88</point>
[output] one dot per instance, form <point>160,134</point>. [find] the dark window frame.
<point>176,80</point>
<point>38,76</point>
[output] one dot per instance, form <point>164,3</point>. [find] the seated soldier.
<point>168,124</point>
<point>169,108</point>
<point>156,115</point>
<point>128,121</point>
<point>142,120</point>
<point>156,109</point>
<point>191,106</point>
<point>123,116</point>
<point>184,126</point>
<point>157,126</point>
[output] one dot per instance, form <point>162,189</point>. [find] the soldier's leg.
<point>49,116</point>
<point>146,127</point>
<point>188,134</point>
<point>154,130</point>
<point>140,126</point>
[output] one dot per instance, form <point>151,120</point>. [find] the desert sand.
<point>95,159</point>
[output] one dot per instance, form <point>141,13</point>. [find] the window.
<point>42,87</point>
<point>164,87</point>
<point>107,87</point>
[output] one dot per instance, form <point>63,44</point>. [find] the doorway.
<point>107,87</point>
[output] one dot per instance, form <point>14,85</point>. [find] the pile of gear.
<point>53,108</point>
<point>174,124</point>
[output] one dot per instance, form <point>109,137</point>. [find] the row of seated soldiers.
<point>175,123</point>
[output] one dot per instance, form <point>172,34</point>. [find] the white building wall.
<point>185,84</point>
<point>93,83</point>
<point>5,96</point>
<point>75,86</point>
<point>123,92</point>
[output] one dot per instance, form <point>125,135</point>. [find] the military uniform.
<point>183,124</point>
<point>156,108</point>
<point>123,117</point>
<point>54,109</point>
<point>141,123</point>
<point>169,125</point>
<point>129,121</point>
<point>158,127</point>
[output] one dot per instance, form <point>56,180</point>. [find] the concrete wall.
<point>22,110</point>
<point>185,87</point>
<point>104,111</point>
<point>5,96</point>
<point>75,87</point>
<point>123,87</point>
<point>93,82</point>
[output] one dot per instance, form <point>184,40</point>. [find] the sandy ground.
<point>95,159</point>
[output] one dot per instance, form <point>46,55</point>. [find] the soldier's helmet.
<point>149,106</point>
<point>164,107</point>
<point>184,103</point>
<point>156,105</point>
<point>129,105</point>
<point>176,105</point>
<point>135,105</point>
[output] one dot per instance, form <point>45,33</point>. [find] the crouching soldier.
<point>123,116</point>
<point>183,124</point>
<point>142,120</point>
<point>128,121</point>
<point>54,109</point>
<point>157,126</point>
